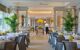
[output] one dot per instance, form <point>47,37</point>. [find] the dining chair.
<point>60,38</point>
<point>49,40</point>
<point>54,41</point>
<point>10,45</point>
<point>2,46</point>
<point>60,46</point>
<point>52,36</point>
<point>21,42</point>
<point>57,39</point>
<point>27,41</point>
<point>70,45</point>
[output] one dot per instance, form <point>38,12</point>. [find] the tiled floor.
<point>39,42</point>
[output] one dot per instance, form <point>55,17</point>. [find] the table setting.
<point>76,38</point>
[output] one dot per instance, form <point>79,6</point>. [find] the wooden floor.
<point>39,42</point>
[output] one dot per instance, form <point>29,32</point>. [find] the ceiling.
<point>36,7</point>
<point>38,3</point>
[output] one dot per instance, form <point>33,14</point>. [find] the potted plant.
<point>69,23</point>
<point>32,28</point>
<point>12,22</point>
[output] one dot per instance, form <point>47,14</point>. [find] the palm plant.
<point>12,22</point>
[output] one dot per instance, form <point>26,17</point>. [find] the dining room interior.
<point>39,25</point>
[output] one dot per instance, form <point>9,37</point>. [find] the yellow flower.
<point>71,38</point>
<point>40,21</point>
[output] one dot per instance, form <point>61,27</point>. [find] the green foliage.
<point>12,22</point>
<point>40,27</point>
<point>32,28</point>
<point>68,22</point>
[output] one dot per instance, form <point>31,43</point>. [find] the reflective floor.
<point>39,42</point>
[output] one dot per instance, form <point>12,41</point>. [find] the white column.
<point>55,21</point>
<point>26,18</point>
<point>79,21</point>
<point>29,20</point>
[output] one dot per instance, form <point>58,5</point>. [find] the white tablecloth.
<point>66,36</point>
<point>78,43</point>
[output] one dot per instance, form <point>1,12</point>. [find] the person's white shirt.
<point>46,25</point>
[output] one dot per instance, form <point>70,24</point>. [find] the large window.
<point>3,25</point>
<point>1,20</point>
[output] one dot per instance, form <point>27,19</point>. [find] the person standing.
<point>36,29</point>
<point>47,28</point>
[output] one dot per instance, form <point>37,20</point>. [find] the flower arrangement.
<point>40,20</point>
<point>71,38</point>
<point>3,33</point>
<point>40,27</point>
